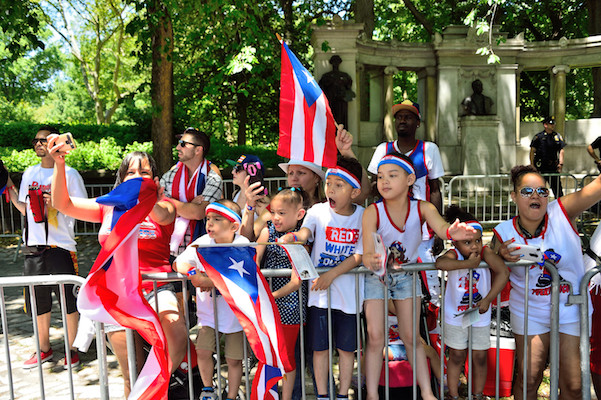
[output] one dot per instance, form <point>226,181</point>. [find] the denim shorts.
<point>399,286</point>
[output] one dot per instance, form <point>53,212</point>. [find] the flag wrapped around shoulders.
<point>112,292</point>
<point>234,272</point>
<point>307,126</point>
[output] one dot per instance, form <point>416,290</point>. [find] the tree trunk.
<point>594,28</point>
<point>161,83</point>
<point>364,13</point>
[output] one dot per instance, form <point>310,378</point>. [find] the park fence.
<point>496,383</point>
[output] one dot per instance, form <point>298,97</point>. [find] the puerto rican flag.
<point>112,292</point>
<point>307,126</point>
<point>234,272</point>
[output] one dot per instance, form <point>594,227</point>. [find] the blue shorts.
<point>399,286</point>
<point>344,329</point>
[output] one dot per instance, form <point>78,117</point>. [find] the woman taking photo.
<point>551,227</point>
<point>153,249</point>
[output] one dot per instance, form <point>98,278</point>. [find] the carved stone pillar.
<point>430,106</point>
<point>389,134</point>
<point>559,97</point>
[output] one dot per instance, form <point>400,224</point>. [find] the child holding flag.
<point>223,220</point>
<point>335,229</point>
<point>398,219</point>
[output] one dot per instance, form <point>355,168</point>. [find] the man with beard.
<point>192,184</point>
<point>49,242</point>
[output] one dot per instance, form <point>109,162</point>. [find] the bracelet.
<point>249,208</point>
<point>12,187</point>
<point>448,234</point>
<point>191,272</point>
<point>294,236</point>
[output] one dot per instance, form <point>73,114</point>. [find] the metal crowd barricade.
<point>488,198</point>
<point>61,280</point>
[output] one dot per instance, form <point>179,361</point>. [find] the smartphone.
<point>526,252</point>
<point>255,172</point>
<point>68,140</point>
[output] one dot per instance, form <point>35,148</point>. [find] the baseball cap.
<point>407,105</point>
<point>549,120</point>
<point>245,159</point>
<point>307,164</point>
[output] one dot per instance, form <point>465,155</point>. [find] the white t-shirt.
<point>335,238</point>
<point>560,237</point>
<point>456,298</point>
<point>60,230</point>
<point>228,323</point>
<point>432,160</point>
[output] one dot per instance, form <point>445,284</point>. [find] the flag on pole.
<point>112,292</point>
<point>234,272</point>
<point>307,126</point>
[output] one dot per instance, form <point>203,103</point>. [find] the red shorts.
<point>596,332</point>
<point>290,336</point>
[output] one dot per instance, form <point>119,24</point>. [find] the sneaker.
<point>208,393</point>
<point>74,360</point>
<point>33,361</point>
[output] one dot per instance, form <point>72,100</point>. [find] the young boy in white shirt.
<point>222,222</point>
<point>335,229</point>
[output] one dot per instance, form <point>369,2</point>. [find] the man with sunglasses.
<point>546,154</point>
<point>192,184</point>
<point>48,242</point>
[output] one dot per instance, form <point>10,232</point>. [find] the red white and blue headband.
<point>476,225</point>
<point>392,159</point>
<point>224,211</point>
<point>344,174</point>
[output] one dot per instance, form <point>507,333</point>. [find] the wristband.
<point>294,237</point>
<point>191,272</point>
<point>249,208</point>
<point>448,234</point>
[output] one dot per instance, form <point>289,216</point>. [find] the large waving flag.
<point>112,293</point>
<point>235,274</point>
<point>307,126</point>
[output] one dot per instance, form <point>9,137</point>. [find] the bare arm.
<point>371,260</point>
<point>560,164</point>
<point>263,237</point>
<point>163,212</point>
<point>344,141</point>
<point>13,194</point>
<point>290,287</point>
<point>577,202</point>
<point>435,195</point>
<point>302,235</point>
<point>532,153</point>
<point>251,194</point>
<point>500,275</point>
<point>325,280</point>
<point>457,230</point>
<point>449,262</point>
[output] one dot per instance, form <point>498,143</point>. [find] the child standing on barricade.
<point>398,219</point>
<point>287,212</point>
<point>335,229</point>
<point>461,262</point>
<point>223,220</point>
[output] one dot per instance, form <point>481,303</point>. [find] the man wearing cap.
<point>591,151</point>
<point>192,184</point>
<point>428,167</point>
<point>546,154</point>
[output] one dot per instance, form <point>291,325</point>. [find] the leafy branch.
<point>484,26</point>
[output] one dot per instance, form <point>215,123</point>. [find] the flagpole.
<point>278,36</point>
<point>251,244</point>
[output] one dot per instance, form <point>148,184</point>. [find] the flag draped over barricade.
<point>234,272</point>
<point>307,126</point>
<point>112,293</point>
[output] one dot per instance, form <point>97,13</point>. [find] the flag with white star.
<point>307,126</point>
<point>234,272</point>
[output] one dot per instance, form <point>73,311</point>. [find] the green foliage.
<point>20,24</point>
<point>19,134</point>
<point>17,159</point>
<point>221,151</point>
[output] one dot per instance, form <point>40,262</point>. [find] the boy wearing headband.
<point>335,229</point>
<point>222,222</point>
<point>398,219</point>
<point>461,262</point>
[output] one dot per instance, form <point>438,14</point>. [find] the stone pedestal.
<point>480,144</point>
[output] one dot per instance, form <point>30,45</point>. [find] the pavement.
<point>26,383</point>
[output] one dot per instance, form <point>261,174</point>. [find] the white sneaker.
<point>208,393</point>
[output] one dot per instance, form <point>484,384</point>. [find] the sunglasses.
<point>183,143</point>
<point>36,141</point>
<point>529,191</point>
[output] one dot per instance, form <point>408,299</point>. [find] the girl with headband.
<point>398,219</point>
<point>461,262</point>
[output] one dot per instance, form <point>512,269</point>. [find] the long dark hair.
<point>135,156</point>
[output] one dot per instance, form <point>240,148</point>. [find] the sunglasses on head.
<point>529,191</point>
<point>183,143</point>
<point>38,140</point>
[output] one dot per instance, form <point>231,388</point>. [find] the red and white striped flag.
<point>307,126</point>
